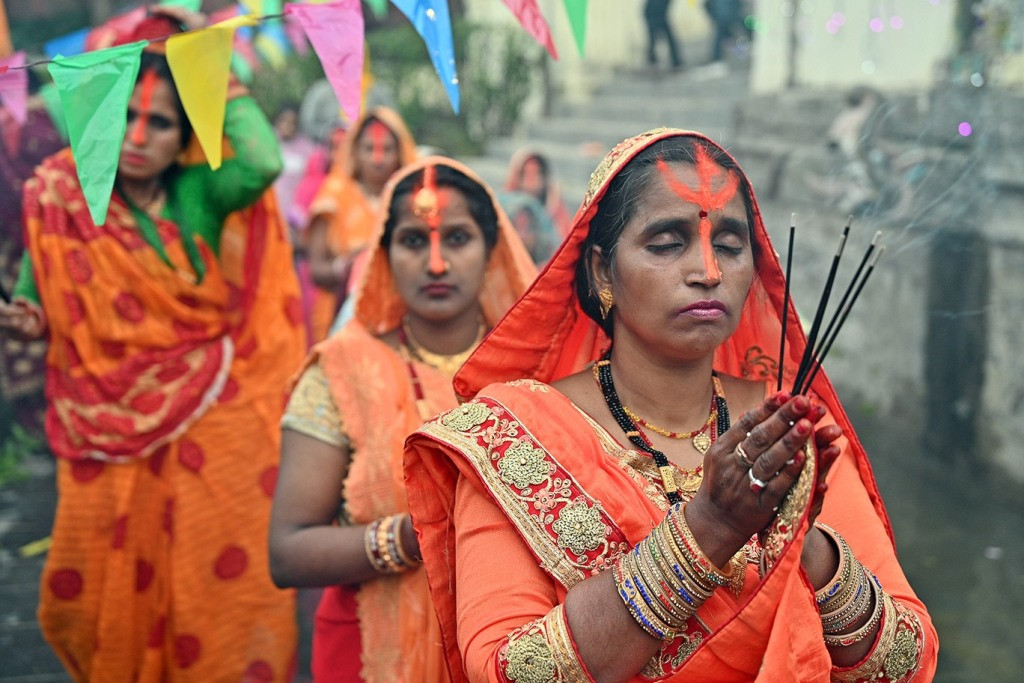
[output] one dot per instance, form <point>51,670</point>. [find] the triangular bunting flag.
<point>379,7</point>
<point>200,62</point>
<point>335,29</point>
<point>577,11</point>
<point>67,45</point>
<point>531,19</point>
<point>14,86</point>
<point>190,5</point>
<point>94,91</point>
<point>431,20</point>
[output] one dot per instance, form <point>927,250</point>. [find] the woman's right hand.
<point>20,320</point>
<point>736,500</point>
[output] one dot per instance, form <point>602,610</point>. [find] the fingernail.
<point>781,397</point>
<point>803,427</point>
<point>801,403</point>
<point>799,458</point>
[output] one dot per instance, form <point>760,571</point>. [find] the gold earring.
<point>607,301</point>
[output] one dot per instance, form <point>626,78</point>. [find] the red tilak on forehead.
<point>427,204</point>
<point>149,80</point>
<point>379,135</point>
<point>705,198</point>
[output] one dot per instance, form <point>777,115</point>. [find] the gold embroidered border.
<point>541,652</point>
<point>896,655</point>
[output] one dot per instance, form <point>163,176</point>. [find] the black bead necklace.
<point>637,438</point>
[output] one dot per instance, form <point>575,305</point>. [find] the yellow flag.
<point>255,7</point>
<point>200,62</point>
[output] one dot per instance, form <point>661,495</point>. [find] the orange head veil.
<point>379,306</point>
<point>345,155</point>
<point>547,336</point>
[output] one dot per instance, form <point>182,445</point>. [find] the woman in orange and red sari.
<point>444,266</point>
<point>173,328</point>
<point>344,212</point>
<point>652,509</point>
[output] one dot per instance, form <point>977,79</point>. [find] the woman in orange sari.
<point>444,266</point>
<point>344,212</point>
<point>165,382</point>
<point>653,509</point>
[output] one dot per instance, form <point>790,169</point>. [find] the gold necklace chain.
<point>447,364</point>
<point>701,439</point>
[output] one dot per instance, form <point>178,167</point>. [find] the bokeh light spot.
<point>964,128</point>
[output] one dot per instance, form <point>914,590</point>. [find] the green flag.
<point>379,7</point>
<point>577,11</point>
<point>94,91</point>
<point>190,5</point>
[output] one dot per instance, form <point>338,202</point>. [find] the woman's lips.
<point>705,310</point>
<point>133,158</point>
<point>437,289</point>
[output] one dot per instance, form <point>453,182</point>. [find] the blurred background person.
<point>344,211</point>
<point>22,363</point>
<point>658,29</point>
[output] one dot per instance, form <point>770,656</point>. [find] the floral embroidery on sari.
<point>897,652</point>
<point>541,652</point>
<point>570,533</point>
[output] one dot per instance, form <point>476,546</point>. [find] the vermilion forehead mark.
<point>427,204</point>
<point>379,136</point>
<point>706,198</point>
<point>149,80</point>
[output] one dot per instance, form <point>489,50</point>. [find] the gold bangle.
<point>403,556</point>
<point>848,639</point>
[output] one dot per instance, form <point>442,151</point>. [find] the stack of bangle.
<point>845,599</point>
<point>667,577</point>
<point>383,543</point>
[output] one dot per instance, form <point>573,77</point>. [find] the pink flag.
<point>529,15</point>
<point>335,29</point>
<point>14,86</point>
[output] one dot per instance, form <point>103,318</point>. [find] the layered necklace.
<point>630,423</point>
<point>446,364</point>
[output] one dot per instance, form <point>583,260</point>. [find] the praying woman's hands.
<point>749,470</point>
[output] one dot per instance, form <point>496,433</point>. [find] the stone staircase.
<point>575,136</point>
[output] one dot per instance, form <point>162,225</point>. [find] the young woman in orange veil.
<point>443,267</point>
<point>653,509</point>
<point>343,214</point>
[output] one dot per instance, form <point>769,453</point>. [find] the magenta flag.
<point>14,86</point>
<point>335,30</point>
<point>531,19</point>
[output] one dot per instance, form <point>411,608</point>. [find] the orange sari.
<point>372,389</point>
<point>352,214</point>
<point>158,565</point>
<point>518,495</point>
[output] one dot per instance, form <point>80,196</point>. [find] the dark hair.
<point>620,203</point>
<point>366,124</point>
<point>158,64</point>
<point>477,198</point>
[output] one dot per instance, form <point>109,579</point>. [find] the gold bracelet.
<point>624,573</point>
<point>701,564</point>
<point>861,633</point>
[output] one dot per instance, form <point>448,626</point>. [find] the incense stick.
<point>842,319</point>
<point>846,294</point>
<point>805,360</point>
<point>785,299</point>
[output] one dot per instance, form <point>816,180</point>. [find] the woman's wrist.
<point>820,558</point>
<point>718,541</point>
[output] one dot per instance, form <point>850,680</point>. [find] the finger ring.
<point>756,485</point>
<point>742,455</point>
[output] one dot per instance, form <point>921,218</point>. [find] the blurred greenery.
<point>496,66</point>
<point>16,446</point>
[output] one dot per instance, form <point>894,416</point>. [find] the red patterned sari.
<point>165,389</point>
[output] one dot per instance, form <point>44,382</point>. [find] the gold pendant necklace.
<point>446,364</point>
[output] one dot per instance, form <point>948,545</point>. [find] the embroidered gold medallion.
<point>530,660</point>
<point>579,527</point>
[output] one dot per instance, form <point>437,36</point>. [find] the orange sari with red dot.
<point>165,390</point>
